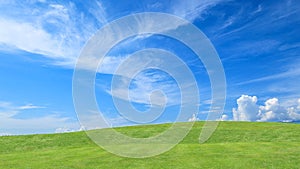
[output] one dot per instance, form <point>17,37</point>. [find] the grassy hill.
<point>233,145</point>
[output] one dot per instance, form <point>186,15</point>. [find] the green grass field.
<point>233,145</point>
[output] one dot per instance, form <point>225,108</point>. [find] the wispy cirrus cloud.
<point>262,18</point>
<point>52,29</point>
<point>192,10</point>
<point>29,38</point>
<point>142,87</point>
<point>30,106</point>
<point>59,30</point>
<point>284,75</point>
<point>9,123</point>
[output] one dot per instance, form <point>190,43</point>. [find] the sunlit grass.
<point>233,145</point>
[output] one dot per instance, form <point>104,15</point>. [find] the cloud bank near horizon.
<point>272,110</point>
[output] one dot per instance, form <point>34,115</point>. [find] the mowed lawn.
<point>233,145</point>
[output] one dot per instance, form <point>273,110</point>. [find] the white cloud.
<point>8,121</point>
<point>224,117</point>
<point>53,30</point>
<point>9,106</point>
<point>99,12</point>
<point>30,106</point>
<point>258,10</point>
<point>57,30</point>
<point>247,109</point>
<point>294,112</point>
<point>192,10</point>
<point>228,23</point>
<point>272,110</point>
<point>143,87</point>
<point>294,72</point>
<point>133,70</point>
<point>28,38</point>
<point>193,118</point>
<point>110,64</point>
<point>68,130</point>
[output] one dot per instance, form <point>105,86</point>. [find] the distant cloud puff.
<point>68,130</point>
<point>193,118</point>
<point>224,117</point>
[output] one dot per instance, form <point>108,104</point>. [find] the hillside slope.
<point>233,145</point>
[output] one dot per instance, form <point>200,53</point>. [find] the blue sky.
<point>40,41</point>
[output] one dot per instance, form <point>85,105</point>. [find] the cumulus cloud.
<point>249,110</point>
<point>294,112</point>
<point>272,111</point>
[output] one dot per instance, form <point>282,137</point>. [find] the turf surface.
<point>233,145</point>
